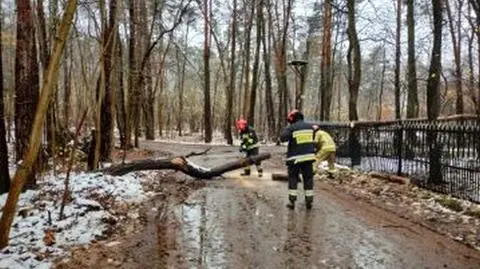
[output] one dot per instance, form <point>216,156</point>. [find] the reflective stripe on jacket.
<point>301,146</point>
<point>249,138</point>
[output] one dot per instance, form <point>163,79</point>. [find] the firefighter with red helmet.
<point>300,156</point>
<point>249,144</point>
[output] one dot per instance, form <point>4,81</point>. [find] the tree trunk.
<point>106,126</point>
<point>433,82</point>
<point>433,92</point>
<point>354,63</point>
<point>248,34</point>
<point>181,91</point>
<point>4,173</point>
<point>146,76</point>
<point>120,95</point>
<point>326,62</point>
<point>24,170</point>
<point>231,87</point>
<point>133,112</point>
<point>412,98</point>
<point>256,64</point>
<point>67,84</point>
<point>184,165</point>
<point>26,82</point>
<point>398,54</point>
<point>207,115</point>
<point>456,35</point>
<point>268,79</point>
<point>382,84</point>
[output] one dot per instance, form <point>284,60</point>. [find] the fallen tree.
<point>184,165</point>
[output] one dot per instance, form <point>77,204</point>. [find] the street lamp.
<point>299,68</point>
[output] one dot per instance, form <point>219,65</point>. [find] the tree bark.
<point>268,79</point>
<point>326,62</point>
<point>382,84</point>
<point>120,95</point>
<point>207,114</point>
<point>133,112</point>
<point>26,82</point>
<point>181,91</point>
<point>256,64</point>
<point>398,54</point>
<point>106,126</point>
<point>433,92</point>
<point>24,170</point>
<point>412,98</point>
<point>246,73</point>
<point>433,82</point>
<point>456,35</point>
<point>184,165</point>
<point>146,88</point>
<point>4,173</point>
<point>231,87</point>
<point>354,63</point>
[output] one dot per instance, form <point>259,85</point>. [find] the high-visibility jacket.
<point>324,142</point>
<point>249,139</point>
<point>301,146</point>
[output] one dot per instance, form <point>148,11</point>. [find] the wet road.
<point>244,223</point>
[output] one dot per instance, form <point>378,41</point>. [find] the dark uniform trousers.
<point>294,170</point>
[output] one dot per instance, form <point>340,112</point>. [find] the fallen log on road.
<point>184,165</point>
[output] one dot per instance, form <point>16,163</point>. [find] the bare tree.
<point>231,87</point>
<point>4,174</point>
<point>354,62</point>
<point>456,35</point>
<point>256,63</point>
<point>268,79</point>
<point>24,170</point>
<point>207,114</point>
<point>326,62</point>
<point>398,53</point>
<point>412,98</point>
<point>26,81</point>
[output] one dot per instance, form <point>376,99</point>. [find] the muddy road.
<point>244,223</point>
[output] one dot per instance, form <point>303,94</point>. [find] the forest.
<point>96,76</point>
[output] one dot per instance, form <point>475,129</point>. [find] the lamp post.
<point>299,68</point>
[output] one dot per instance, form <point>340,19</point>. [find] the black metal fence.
<point>442,155</point>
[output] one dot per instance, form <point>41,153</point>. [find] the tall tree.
<point>120,105</point>
<point>326,62</point>
<point>268,79</point>
<point>133,111</point>
<point>456,35</point>
<point>246,55</point>
<point>109,44</point>
<point>231,87</point>
<point>4,174</point>
<point>412,98</point>
<point>256,63</point>
<point>433,91</point>
<point>182,63</point>
<point>354,62</point>
<point>147,81</point>
<point>398,54</point>
<point>433,82</point>
<point>26,81</point>
<point>47,92</point>
<point>207,114</point>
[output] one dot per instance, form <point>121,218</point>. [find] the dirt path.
<point>243,223</point>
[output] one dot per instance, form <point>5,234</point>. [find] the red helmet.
<point>294,116</point>
<point>241,124</point>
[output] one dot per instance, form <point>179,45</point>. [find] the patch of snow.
<point>84,216</point>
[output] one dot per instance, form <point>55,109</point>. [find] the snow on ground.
<point>85,217</point>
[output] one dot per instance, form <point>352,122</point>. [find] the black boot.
<point>309,202</point>
<point>245,173</point>
<point>291,204</point>
<point>260,172</point>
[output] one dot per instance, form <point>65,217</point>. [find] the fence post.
<point>354,146</point>
<point>399,147</point>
